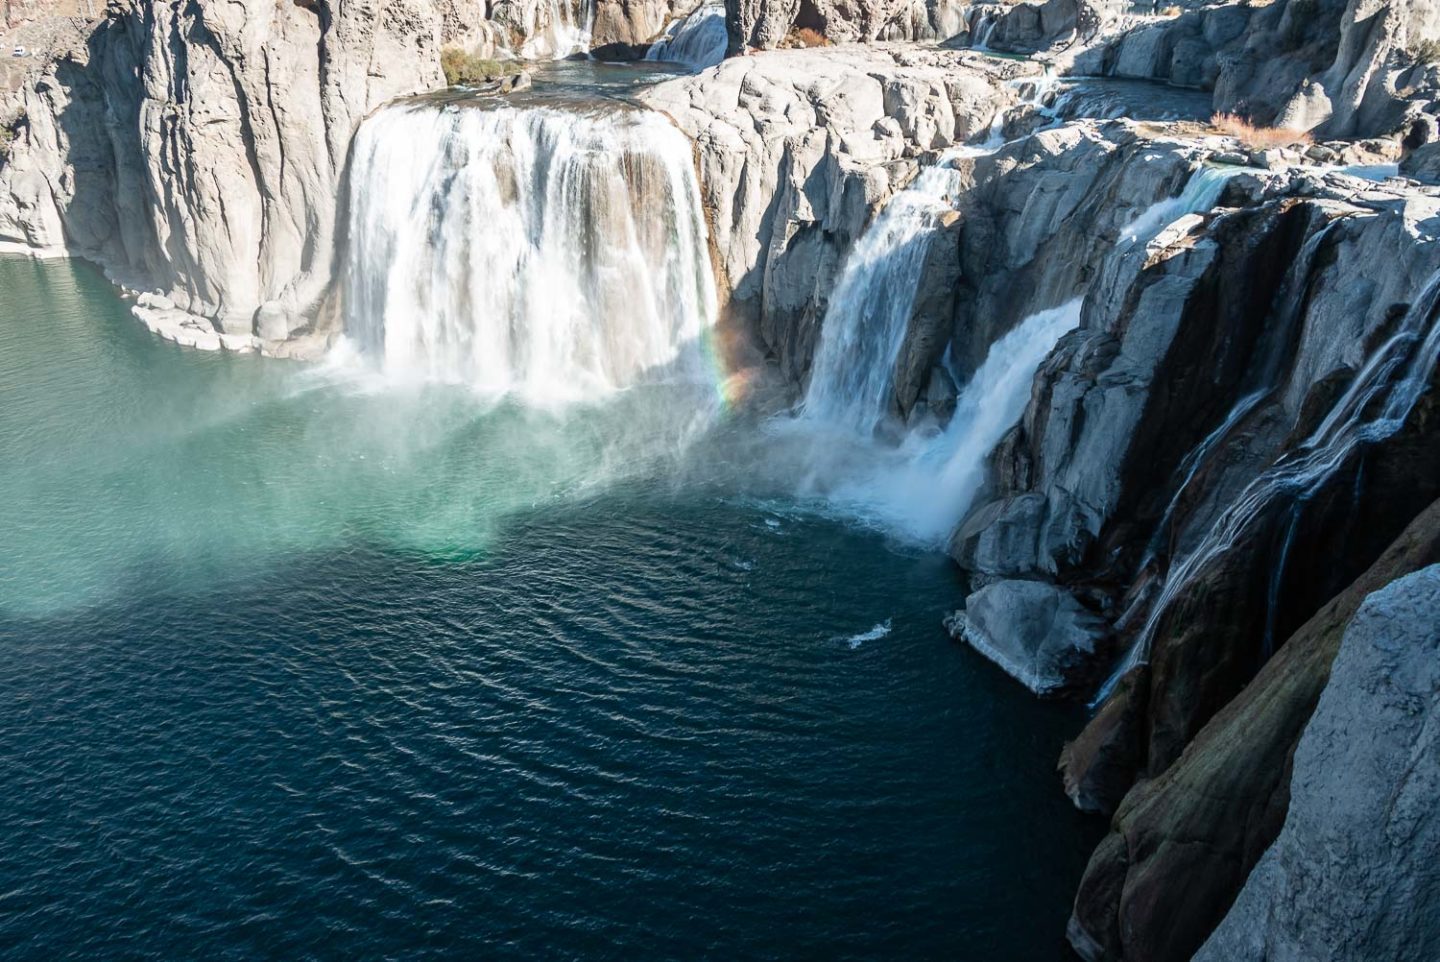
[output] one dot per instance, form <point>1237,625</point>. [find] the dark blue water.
<point>644,721</point>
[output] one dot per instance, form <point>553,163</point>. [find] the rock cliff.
<point>198,151</point>
<point>1353,874</point>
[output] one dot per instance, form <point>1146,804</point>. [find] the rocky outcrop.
<point>1031,27</point>
<point>1208,818</point>
<point>1355,872</point>
<point>797,149</point>
<point>1038,633</point>
<point>766,24</point>
<point>199,150</point>
<point>1343,68</point>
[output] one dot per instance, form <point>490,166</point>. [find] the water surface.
<point>299,665</point>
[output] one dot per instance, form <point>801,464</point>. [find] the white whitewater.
<point>558,29</point>
<point>852,377</point>
<point>1372,409</point>
<point>553,256</point>
<point>697,41</point>
<point>921,487</point>
<point>981,28</point>
<point>1200,194</point>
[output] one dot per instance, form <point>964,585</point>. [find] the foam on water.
<point>874,634</point>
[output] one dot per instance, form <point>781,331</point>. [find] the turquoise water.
<point>299,664</point>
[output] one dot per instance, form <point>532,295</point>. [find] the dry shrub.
<point>806,37</point>
<point>1257,138</point>
<point>1171,12</point>
<point>1426,51</point>
<point>466,68</point>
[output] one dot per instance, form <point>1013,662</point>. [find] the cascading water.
<point>557,29</point>
<point>980,29</point>
<point>1201,193</point>
<point>1374,408</point>
<point>697,41</point>
<point>853,376</point>
<point>923,486</point>
<point>556,256</point>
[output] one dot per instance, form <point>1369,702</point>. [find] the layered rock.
<point>1208,818</point>
<point>1355,872</point>
<point>200,150</point>
<point>797,149</point>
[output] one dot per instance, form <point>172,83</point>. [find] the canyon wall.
<point>199,151</point>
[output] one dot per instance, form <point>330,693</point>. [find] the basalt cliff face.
<point>198,150</point>
<point>1208,481</point>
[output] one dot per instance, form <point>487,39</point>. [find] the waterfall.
<point>1373,408</point>
<point>853,375</point>
<point>557,256</point>
<point>980,30</point>
<point>696,41</point>
<point>1201,193</point>
<point>557,29</point>
<point>922,488</point>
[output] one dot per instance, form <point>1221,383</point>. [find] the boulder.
<point>1036,632</point>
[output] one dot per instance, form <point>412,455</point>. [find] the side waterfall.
<point>697,41</point>
<point>853,375</point>
<point>1201,193</point>
<point>558,29</point>
<point>923,486</point>
<point>556,256</point>
<point>1374,407</point>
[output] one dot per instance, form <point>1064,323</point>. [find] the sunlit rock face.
<point>199,150</point>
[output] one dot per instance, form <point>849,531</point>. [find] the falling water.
<point>922,486</point>
<point>1201,193</point>
<point>980,30</point>
<point>852,381</point>
<point>556,256</point>
<point>557,29</point>
<point>1374,407</point>
<point>697,41</point>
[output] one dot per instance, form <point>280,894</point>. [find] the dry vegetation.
<point>806,37</point>
<point>1257,138</point>
<point>1426,51</point>
<point>466,68</point>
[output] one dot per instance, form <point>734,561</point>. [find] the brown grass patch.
<point>1257,138</point>
<point>806,37</point>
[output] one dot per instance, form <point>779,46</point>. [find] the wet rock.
<point>1182,844</point>
<point>1036,632</point>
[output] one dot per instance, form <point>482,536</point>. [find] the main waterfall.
<point>553,255</point>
